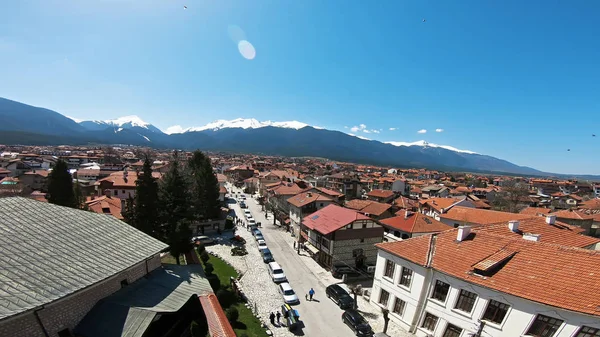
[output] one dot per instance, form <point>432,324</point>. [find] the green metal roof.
<point>129,312</point>
<point>48,252</point>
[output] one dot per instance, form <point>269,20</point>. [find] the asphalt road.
<point>321,317</point>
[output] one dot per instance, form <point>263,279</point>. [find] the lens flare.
<point>247,50</point>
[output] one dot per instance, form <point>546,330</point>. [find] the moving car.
<point>262,245</point>
<point>339,296</point>
<point>276,272</point>
<point>289,296</point>
<point>267,256</point>
<point>357,323</point>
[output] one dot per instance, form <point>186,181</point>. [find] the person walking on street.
<point>311,293</point>
<point>272,318</point>
<point>278,317</point>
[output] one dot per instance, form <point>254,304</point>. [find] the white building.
<point>459,284</point>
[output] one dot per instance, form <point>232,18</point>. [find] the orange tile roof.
<point>440,203</point>
<point>329,192</point>
<point>331,218</point>
<point>535,211</point>
<point>218,324</point>
<point>221,177</point>
<point>42,173</point>
<point>591,204</point>
<point>287,189</point>
<point>380,193</point>
<point>415,223</point>
<point>368,206</point>
<point>560,233</point>
<point>573,215</point>
<point>303,199</point>
<point>118,178</point>
<point>546,273</point>
<point>106,205</point>
<point>480,216</point>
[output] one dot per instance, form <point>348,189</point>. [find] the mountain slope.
<point>15,116</point>
<point>127,122</point>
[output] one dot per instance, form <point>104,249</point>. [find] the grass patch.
<point>247,323</point>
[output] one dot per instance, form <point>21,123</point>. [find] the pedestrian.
<point>272,318</point>
<point>278,317</point>
<point>294,244</point>
<point>311,293</point>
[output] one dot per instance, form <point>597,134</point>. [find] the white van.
<point>276,272</point>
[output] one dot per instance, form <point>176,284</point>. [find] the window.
<point>495,312</point>
<point>452,331</point>
<point>544,326</point>
<point>116,192</point>
<point>405,277</point>
<point>398,306</point>
<point>389,269</point>
<point>440,291</point>
<point>384,297</point>
<point>466,301</point>
<point>364,225</point>
<point>429,322</point>
<point>124,283</point>
<point>586,331</point>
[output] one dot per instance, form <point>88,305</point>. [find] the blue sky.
<point>519,80</point>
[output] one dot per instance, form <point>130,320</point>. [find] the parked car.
<point>276,272</point>
<point>259,237</point>
<point>289,296</point>
<point>256,232</point>
<point>247,213</point>
<point>357,323</point>
<point>252,223</point>
<point>339,296</point>
<point>205,240</point>
<point>267,256</point>
<point>243,204</point>
<point>262,245</point>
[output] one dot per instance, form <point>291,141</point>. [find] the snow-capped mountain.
<point>121,123</point>
<point>426,144</point>
<point>242,123</point>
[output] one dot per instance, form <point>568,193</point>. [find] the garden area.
<point>219,274</point>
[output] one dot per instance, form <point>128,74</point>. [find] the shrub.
<point>214,282</point>
<point>208,268</point>
<point>232,314</point>
<point>238,251</point>
<point>200,248</point>
<point>226,297</point>
<point>204,257</point>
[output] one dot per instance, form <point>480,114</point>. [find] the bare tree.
<point>511,197</point>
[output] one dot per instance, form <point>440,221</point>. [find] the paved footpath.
<point>321,317</point>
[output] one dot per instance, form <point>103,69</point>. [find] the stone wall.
<point>67,312</point>
<point>342,250</point>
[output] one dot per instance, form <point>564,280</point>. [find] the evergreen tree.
<point>145,212</point>
<point>60,186</point>
<point>205,187</point>
<point>175,211</point>
<point>128,212</point>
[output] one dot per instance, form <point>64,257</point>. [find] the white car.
<point>203,239</point>
<point>247,212</point>
<point>289,296</point>
<point>251,222</point>
<point>262,244</point>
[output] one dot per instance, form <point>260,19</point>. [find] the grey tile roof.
<point>129,312</point>
<point>49,251</point>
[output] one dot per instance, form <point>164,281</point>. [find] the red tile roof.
<point>329,192</point>
<point>380,194</point>
<point>573,215</point>
<point>591,204</point>
<point>535,211</point>
<point>218,324</point>
<point>559,233</point>
<point>303,199</point>
<point>415,223</point>
<point>106,205</point>
<point>480,216</point>
<point>331,218</point>
<point>440,203</point>
<point>550,274</point>
<point>368,206</point>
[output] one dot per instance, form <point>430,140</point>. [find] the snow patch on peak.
<point>426,144</point>
<point>133,120</point>
<point>243,123</point>
<point>76,120</point>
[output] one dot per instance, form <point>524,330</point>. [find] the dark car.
<point>256,231</point>
<point>339,296</point>
<point>357,323</point>
<point>339,271</point>
<point>267,256</point>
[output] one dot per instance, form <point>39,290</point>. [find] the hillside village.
<point>427,252</point>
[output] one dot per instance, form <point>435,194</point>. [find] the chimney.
<point>309,194</point>
<point>513,225</point>
<point>532,237</point>
<point>550,219</point>
<point>463,232</point>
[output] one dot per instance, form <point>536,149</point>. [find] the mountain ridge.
<point>293,139</point>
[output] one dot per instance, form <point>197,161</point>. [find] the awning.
<point>312,249</point>
<point>129,311</point>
